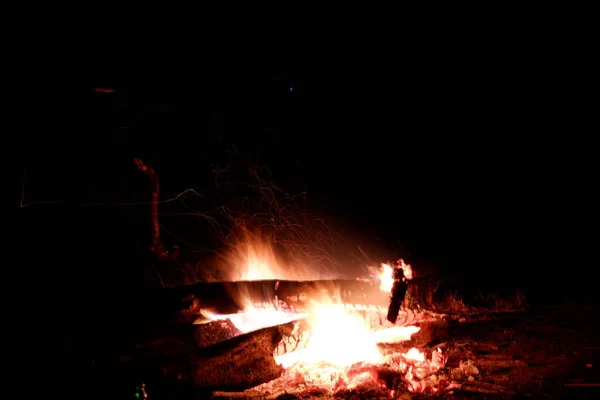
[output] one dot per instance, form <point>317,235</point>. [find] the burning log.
<point>167,313</point>
<point>314,340</point>
<point>183,303</point>
<point>183,338</point>
<point>345,291</point>
<point>239,363</point>
<point>174,321</point>
<point>214,332</point>
<point>399,289</point>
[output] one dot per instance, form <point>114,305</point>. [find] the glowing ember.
<point>414,354</point>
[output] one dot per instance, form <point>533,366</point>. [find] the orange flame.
<point>253,258</point>
<point>386,276</point>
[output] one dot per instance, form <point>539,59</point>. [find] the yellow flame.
<point>386,278</point>
<point>337,338</point>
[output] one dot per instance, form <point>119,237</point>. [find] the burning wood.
<point>238,363</point>
<point>399,289</point>
<point>228,297</point>
<point>503,355</point>
<point>311,338</point>
<point>309,329</point>
<point>183,304</point>
<point>314,338</point>
<point>337,348</point>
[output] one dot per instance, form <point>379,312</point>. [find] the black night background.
<point>478,167</point>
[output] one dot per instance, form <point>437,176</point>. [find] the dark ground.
<point>549,352</point>
<point>546,353</point>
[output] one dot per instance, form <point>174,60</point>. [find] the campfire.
<point>330,346</point>
<point>303,334</point>
<point>255,327</point>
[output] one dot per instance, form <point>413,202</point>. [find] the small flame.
<point>386,278</point>
<point>259,262</point>
<point>414,355</point>
<point>406,268</point>
<point>253,259</point>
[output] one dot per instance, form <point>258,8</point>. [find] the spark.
<point>264,212</point>
<point>178,196</point>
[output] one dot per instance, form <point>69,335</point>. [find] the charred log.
<point>177,339</point>
<point>346,291</point>
<point>235,364</point>
<point>171,313</point>
<point>399,289</point>
<point>173,339</point>
<point>215,332</point>
<point>184,302</point>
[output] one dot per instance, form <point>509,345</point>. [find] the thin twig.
<point>246,395</point>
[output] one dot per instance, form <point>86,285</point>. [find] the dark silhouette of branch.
<point>156,246</point>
